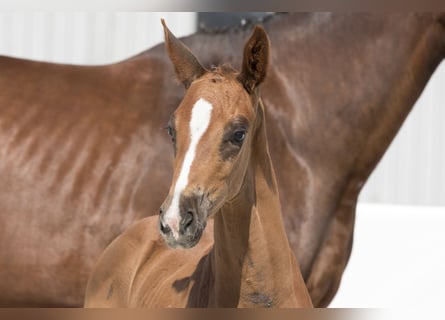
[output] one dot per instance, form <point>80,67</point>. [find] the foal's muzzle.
<point>184,228</point>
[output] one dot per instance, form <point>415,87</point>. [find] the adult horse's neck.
<point>339,99</point>
<point>251,253</point>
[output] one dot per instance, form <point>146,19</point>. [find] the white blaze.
<point>199,123</point>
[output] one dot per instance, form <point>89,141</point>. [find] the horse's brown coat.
<point>83,153</point>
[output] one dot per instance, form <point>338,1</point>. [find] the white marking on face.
<point>199,122</point>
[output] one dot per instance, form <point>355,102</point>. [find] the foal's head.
<point>212,132</point>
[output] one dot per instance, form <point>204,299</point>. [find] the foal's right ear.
<point>187,66</point>
<point>255,59</point>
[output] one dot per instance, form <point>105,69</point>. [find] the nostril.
<point>164,228</point>
<point>187,220</point>
<point>160,211</point>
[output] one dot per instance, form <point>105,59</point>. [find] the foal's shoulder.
<point>133,245</point>
<point>113,275</point>
<point>136,238</point>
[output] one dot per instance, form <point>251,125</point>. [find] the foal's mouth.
<point>182,241</point>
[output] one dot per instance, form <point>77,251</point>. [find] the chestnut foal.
<point>222,168</point>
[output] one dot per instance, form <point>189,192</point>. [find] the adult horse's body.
<point>222,168</point>
<point>82,150</point>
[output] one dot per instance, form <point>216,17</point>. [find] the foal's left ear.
<point>187,66</point>
<point>255,59</point>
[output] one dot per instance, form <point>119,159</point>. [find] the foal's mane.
<point>219,73</point>
<point>224,70</point>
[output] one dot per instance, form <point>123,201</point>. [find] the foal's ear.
<point>187,66</point>
<point>255,59</point>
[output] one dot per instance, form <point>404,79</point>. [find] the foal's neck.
<point>253,264</point>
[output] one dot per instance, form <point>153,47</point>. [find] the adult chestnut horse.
<point>83,152</point>
<point>222,168</point>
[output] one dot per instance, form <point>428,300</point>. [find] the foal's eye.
<point>239,136</point>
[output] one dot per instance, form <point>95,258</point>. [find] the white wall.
<point>412,171</point>
<point>86,37</point>
<point>397,260</point>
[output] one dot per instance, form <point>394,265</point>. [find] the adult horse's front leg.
<point>326,272</point>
